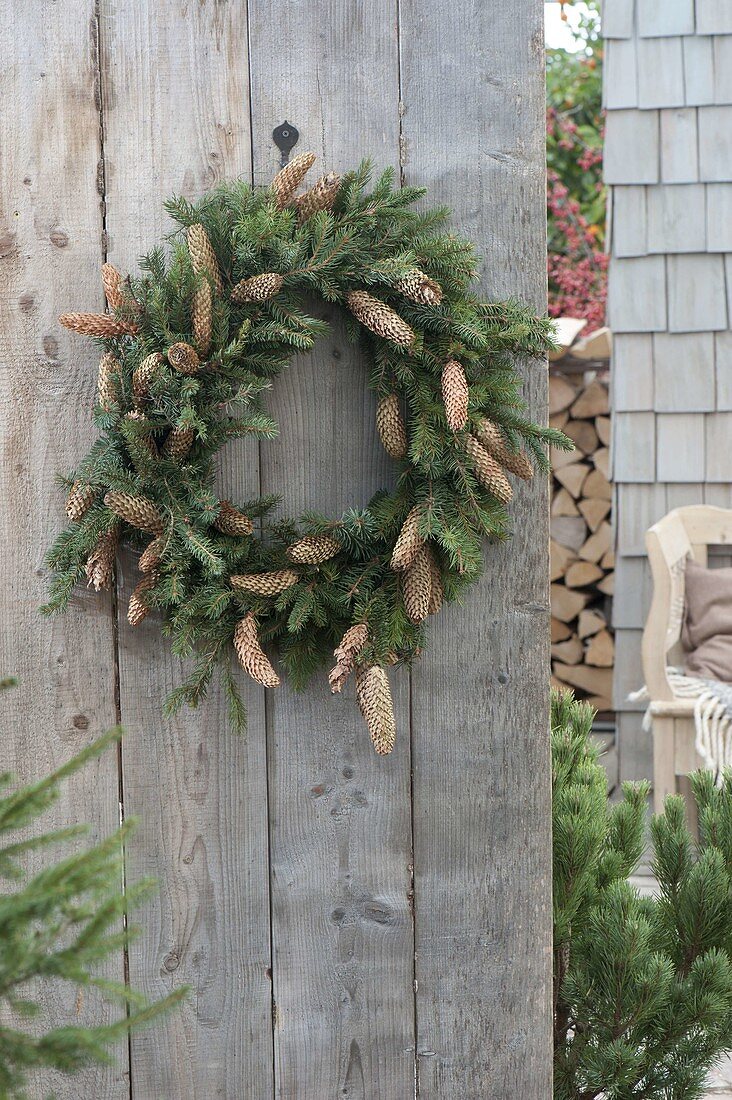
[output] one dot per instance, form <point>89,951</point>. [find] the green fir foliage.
<point>642,985</point>
<point>59,924</point>
<point>369,240</point>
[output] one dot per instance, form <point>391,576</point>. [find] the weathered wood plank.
<point>715,144</point>
<point>631,377</point>
<point>718,428</point>
<point>633,447</point>
<point>723,367</point>
<point>684,370</point>
<point>617,19</point>
<point>696,293</point>
<point>676,218</point>
<point>620,74</point>
<point>637,294</point>
<point>636,508</point>
<point>629,221</point>
<point>479,699</point>
<point>713,17</point>
<point>680,447</point>
<point>661,18</point>
<point>679,146</point>
<point>698,70</point>
<point>660,73</point>
<point>50,255</point>
<point>721,68</point>
<point>631,147</point>
<point>342,931</point>
<point>719,217</point>
<point>175,118</point>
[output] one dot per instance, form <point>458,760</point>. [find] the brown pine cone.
<point>265,584</point>
<point>487,471</point>
<point>390,426</point>
<point>374,700</point>
<point>143,374</point>
<point>417,588</point>
<point>320,197</point>
<point>252,657</point>
<point>151,555</point>
<point>144,438</point>
<point>289,178</point>
<point>437,592</point>
<point>313,549</point>
<point>203,257</point>
<point>455,395</point>
<point>100,563</point>
<point>106,384</point>
<point>379,318</point>
<point>178,443</point>
<point>139,512</point>
<point>139,608</point>
<point>97,324</point>
<point>491,436</point>
<point>258,288</point>
<point>202,318</point>
<point>79,500</point>
<point>409,542</point>
<point>345,653</point>
<point>419,288</point>
<point>183,358</point>
<point>230,521</point>
<point>112,283</point>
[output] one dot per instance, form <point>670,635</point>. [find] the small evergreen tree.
<point>642,986</point>
<point>58,925</point>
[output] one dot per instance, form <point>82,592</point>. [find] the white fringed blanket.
<point>712,716</point>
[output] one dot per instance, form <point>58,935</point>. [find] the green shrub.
<point>642,985</point>
<point>58,925</point>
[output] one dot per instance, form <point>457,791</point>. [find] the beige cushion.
<point>707,629</point>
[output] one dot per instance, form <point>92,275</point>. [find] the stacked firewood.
<point>582,561</point>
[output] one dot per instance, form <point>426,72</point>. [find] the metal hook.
<point>285,137</point>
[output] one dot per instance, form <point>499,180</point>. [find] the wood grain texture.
<point>50,249</point>
<point>343,949</point>
<point>175,100</point>
<point>473,135</point>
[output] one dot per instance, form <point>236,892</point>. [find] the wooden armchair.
<point>683,533</point>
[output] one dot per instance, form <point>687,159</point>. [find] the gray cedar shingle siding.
<point>668,95</point>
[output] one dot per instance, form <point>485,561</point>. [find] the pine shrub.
<point>642,985</point>
<point>57,925</point>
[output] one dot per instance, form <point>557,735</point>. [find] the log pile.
<point>582,561</point>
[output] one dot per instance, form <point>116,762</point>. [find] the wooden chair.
<point>684,533</point>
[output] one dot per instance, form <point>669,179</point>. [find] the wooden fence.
<point>351,926</point>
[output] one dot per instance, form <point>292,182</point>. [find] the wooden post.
<point>474,133</point>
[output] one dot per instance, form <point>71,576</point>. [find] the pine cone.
<point>320,197</point>
<point>455,395</point>
<point>138,608</point>
<point>232,522</point>
<point>437,592</point>
<point>379,318</point>
<point>178,443</point>
<point>390,426</point>
<point>374,699</point>
<point>183,358</point>
<point>313,549</point>
<point>143,374</point>
<point>151,555</point>
<point>345,653</point>
<point>79,500</point>
<point>409,543</point>
<point>252,657</point>
<point>487,471</point>
<point>202,318</point>
<point>419,288</point>
<point>417,589</point>
<point>112,283</point>
<point>97,324</point>
<point>106,384</point>
<point>139,512</point>
<point>289,178</point>
<point>203,257</point>
<point>491,436</point>
<point>100,563</point>
<point>259,288</point>
<point>144,437</point>
<point>265,584</point>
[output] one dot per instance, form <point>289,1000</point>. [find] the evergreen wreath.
<point>190,348</point>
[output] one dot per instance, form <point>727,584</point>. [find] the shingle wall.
<point>668,159</point>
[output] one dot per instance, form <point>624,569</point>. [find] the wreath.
<point>190,348</point>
